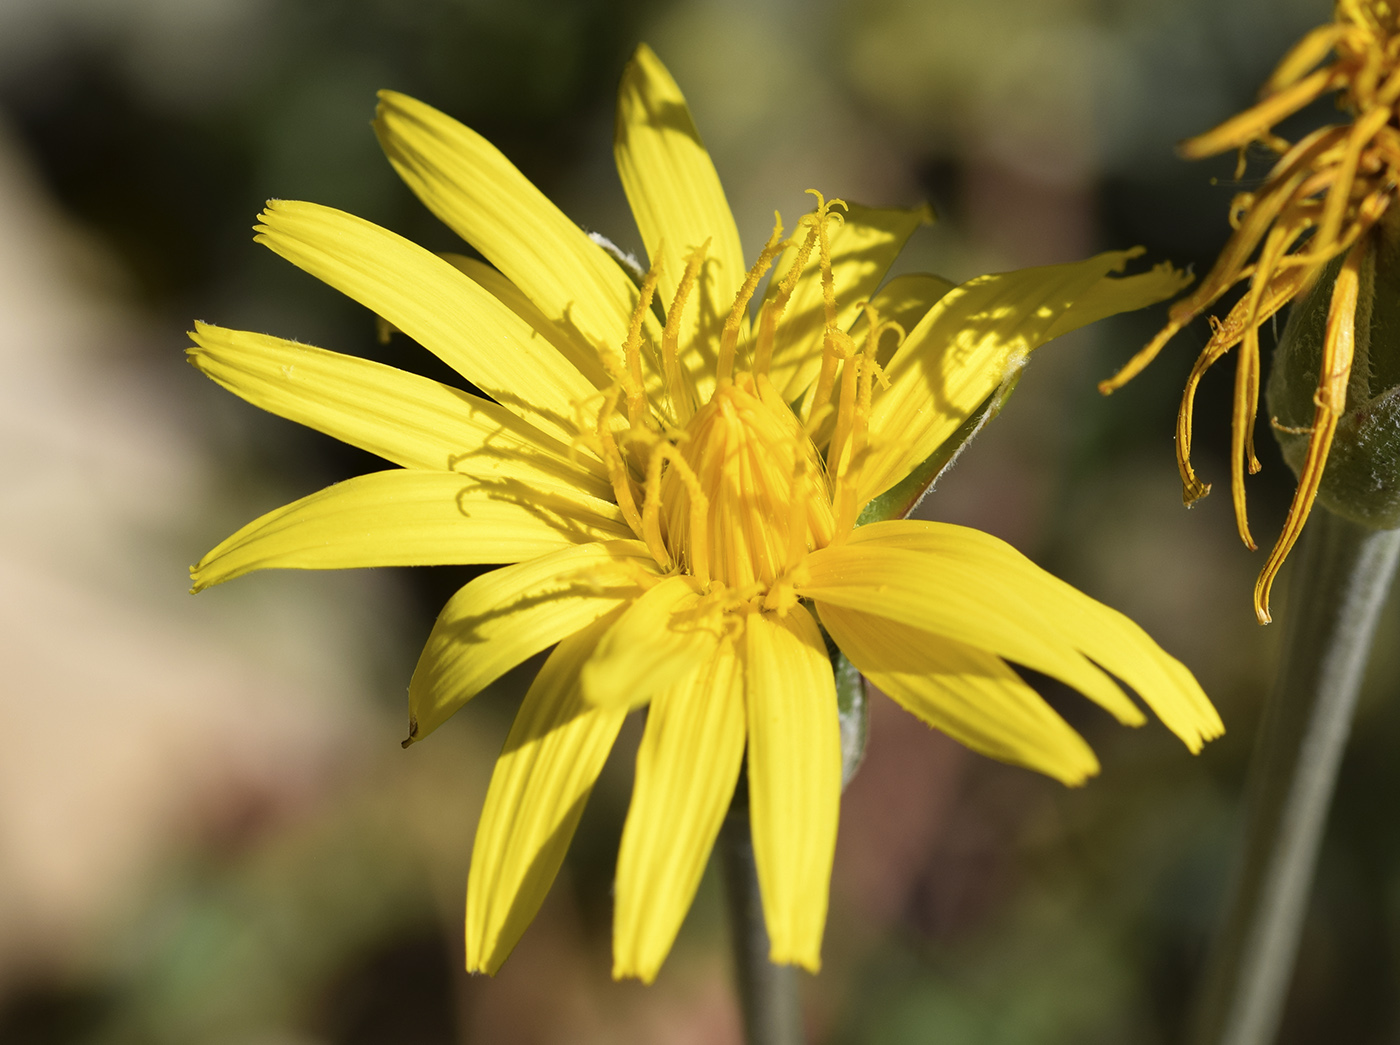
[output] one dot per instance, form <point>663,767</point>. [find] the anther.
<point>830,354</point>
<point>729,340</point>
<point>638,413</point>
<point>774,308</point>
<point>617,468</point>
<point>697,542</point>
<point>676,386</point>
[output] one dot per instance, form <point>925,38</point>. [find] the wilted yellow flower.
<point>678,487</point>
<point>1322,197</point>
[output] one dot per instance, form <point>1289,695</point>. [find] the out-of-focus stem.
<point>767,992</point>
<point>1335,599</point>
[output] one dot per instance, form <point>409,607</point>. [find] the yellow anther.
<point>845,409</point>
<point>676,388</point>
<point>638,413</point>
<point>616,466</point>
<point>729,340</point>
<point>830,354</point>
<point>698,544</point>
<point>774,308</point>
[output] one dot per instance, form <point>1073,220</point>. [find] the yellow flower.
<point>677,488</point>
<point>1317,204</point>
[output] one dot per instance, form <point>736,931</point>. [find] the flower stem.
<point>1335,600</point>
<point>767,992</point>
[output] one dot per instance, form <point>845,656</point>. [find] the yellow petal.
<point>1110,296</point>
<point>794,779</point>
<point>663,637</point>
<point>1099,632</point>
<point>406,517</point>
<point>465,181</point>
<point>961,351</point>
<point>555,751</point>
<point>862,249</point>
<point>566,340</point>
<point>962,593</point>
<point>906,300</point>
<point>507,615</point>
<point>437,306</point>
<point>678,202</point>
<point>402,417</point>
<point>687,767</point>
<point>967,693</point>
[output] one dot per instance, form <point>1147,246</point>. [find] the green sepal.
<point>1362,479</point>
<point>853,713</point>
<point>852,710</point>
<point>904,496</point>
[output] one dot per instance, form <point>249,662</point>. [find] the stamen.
<point>729,340</point>
<point>773,309</point>
<point>637,412</point>
<point>853,429</point>
<point>846,400</point>
<point>697,542</point>
<point>676,388</point>
<point>617,468</point>
<point>830,354</point>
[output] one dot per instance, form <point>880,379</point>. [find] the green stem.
<point>1336,596</point>
<point>767,992</point>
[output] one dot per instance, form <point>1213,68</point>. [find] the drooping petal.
<point>956,593</point>
<point>502,617</point>
<point>402,417</point>
<point>465,181</point>
<point>566,340</point>
<point>967,693</point>
<point>407,517</point>
<point>687,767</point>
<point>1103,634</point>
<point>554,753</point>
<point>662,638</point>
<point>678,201</point>
<point>862,249</point>
<point>437,306</point>
<point>794,778</point>
<point>966,346</point>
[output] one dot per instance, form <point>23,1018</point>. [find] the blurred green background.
<point>208,831</point>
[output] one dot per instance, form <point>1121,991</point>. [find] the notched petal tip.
<point>646,977</point>
<point>1081,778</point>
<point>198,584</point>
<point>812,963</point>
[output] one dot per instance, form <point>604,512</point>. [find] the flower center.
<point>765,503</point>
<point>733,490</point>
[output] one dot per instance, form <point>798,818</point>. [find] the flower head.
<point>1319,202</point>
<point>674,470</point>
